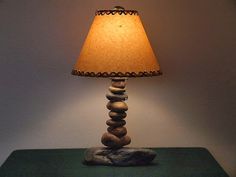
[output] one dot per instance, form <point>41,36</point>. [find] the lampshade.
<point>116,46</point>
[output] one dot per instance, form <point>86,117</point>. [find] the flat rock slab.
<point>119,157</point>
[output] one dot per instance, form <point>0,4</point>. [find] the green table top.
<point>170,162</point>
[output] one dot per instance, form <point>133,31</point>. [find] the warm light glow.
<point>117,43</point>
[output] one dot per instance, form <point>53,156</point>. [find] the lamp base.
<point>119,157</point>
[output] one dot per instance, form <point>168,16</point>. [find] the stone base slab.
<point>119,157</point>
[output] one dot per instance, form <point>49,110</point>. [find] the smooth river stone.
<point>119,157</point>
<point>118,106</point>
<point>117,131</point>
<point>116,97</point>
<point>116,79</point>
<point>116,90</point>
<point>119,84</point>
<point>117,115</point>
<point>118,123</point>
<point>115,142</point>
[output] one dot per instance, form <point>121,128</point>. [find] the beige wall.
<point>192,104</point>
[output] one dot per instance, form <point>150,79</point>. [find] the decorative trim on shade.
<point>113,12</point>
<point>116,74</point>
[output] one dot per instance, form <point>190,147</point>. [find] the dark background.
<point>192,104</point>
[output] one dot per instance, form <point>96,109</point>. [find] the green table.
<point>170,162</point>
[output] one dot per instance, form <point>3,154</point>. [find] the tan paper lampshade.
<point>116,46</point>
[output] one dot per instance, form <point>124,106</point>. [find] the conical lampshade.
<point>116,46</point>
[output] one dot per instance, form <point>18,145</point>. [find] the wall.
<point>192,104</point>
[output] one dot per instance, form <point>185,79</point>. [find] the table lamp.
<point>117,47</point>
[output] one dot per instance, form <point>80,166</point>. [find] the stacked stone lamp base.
<point>116,136</point>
